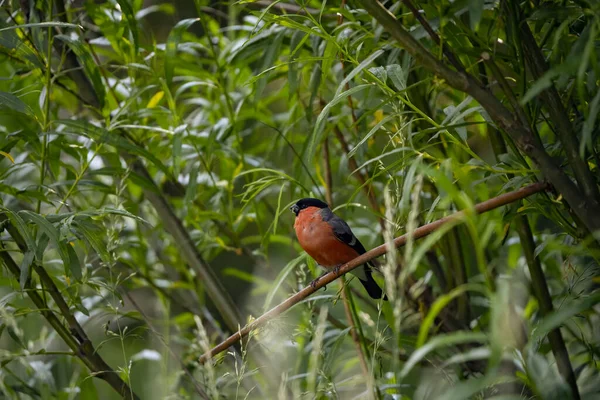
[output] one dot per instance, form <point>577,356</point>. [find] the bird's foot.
<point>313,284</point>
<point>336,269</point>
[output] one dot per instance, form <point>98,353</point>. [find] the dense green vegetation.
<point>149,153</point>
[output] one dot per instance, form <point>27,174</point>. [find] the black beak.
<point>295,209</point>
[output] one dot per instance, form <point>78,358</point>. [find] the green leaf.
<point>439,341</point>
<point>12,102</point>
<point>88,388</point>
<point>364,64</point>
<point>315,137</point>
<point>89,66</point>
<point>190,191</point>
<point>131,21</point>
<point>314,84</point>
<point>74,263</point>
<point>278,210</point>
<point>558,317</point>
<point>28,257</point>
<point>101,212</point>
<point>380,73</point>
<point>548,11</point>
<point>439,305</point>
<point>546,379</point>
<point>268,60</point>
<point>22,228</point>
<point>397,76</point>
<point>54,236</point>
<point>297,41</point>
<point>42,25</point>
<point>42,243</point>
<point>467,389</point>
<point>329,57</point>
<point>93,235</point>
<point>171,47</point>
<point>281,277</point>
<point>475,13</point>
<point>112,138</point>
<point>15,336</point>
<point>568,67</point>
<point>373,130</point>
<point>591,41</point>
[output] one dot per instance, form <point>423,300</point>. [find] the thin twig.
<point>434,36</point>
<point>420,232</point>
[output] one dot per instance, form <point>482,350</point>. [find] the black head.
<point>307,202</point>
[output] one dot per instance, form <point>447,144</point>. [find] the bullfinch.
<point>329,240</point>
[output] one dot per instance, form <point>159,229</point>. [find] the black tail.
<point>371,286</point>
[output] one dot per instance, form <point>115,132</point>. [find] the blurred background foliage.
<point>149,152</point>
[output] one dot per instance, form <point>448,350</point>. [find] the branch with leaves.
<point>74,335</point>
<point>587,209</point>
<point>418,233</point>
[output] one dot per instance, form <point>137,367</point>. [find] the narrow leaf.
<point>93,237</point>
<point>90,67</point>
<point>52,233</point>
<point>131,21</point>
<point>315,137</point>
<point>171,47</point>
<point>21,226</point>
<point>26,267</point>
<point>12,102</point>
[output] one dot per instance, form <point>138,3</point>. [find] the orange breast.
<point>317,239</point>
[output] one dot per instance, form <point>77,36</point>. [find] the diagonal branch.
<point>418,233</point>
<point>587,211</point>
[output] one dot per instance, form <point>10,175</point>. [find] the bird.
<point>330,242</point>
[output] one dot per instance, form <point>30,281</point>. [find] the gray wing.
<point>342,231</point>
